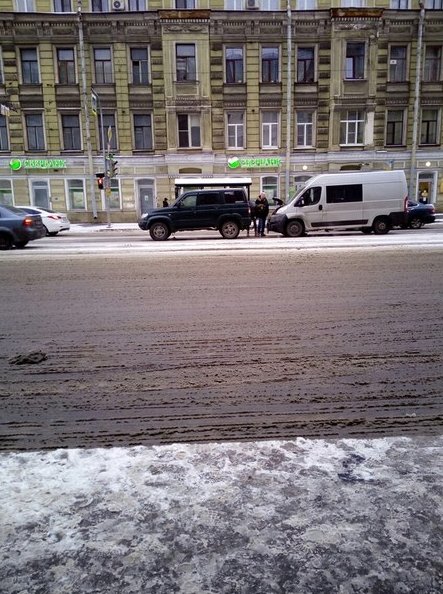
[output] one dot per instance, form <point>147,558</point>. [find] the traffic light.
<point>112,166</point>
<point>100,180</point>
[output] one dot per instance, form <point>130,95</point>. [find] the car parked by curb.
<point>17,228</point>
<point>419,214</point>
<point>54,222</point>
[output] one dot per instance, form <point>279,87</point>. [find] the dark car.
<point>419,214</point>
<point>18,227</point>
<point>226,210</point>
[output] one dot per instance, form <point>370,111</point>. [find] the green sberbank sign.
<point>253,162</point>
<point>17,164</point>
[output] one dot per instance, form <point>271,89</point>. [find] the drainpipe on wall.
<point>288,103</point>
<point>415,124</point>
<point>86,100</point>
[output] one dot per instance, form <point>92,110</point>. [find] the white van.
<point>368,201</point>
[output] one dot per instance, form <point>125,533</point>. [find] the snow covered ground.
<point>295,517</point>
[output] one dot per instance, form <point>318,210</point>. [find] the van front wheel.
<point>381,226</point>
<point>295,229</point>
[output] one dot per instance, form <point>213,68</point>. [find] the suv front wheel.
<point>229,230</point>
<point>159,231</point>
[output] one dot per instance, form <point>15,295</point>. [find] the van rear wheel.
<point>381,226</point>
<point>295,229</point>
<point>229,230</point>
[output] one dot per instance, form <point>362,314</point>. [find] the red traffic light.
<point>100,180</point>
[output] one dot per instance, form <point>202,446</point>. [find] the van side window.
<point>205,199</point>
<point>310,196</point>
<point>233,196</point>
<point>189,201</point>
<point>345,193</point>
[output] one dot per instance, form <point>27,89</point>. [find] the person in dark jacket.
<point>165,203</point>
<point>261,212</point>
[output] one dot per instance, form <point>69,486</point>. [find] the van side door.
<point>344,205</point>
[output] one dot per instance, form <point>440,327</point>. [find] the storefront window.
<point>6,192</point>
<point>76,194</point>
<point>270,188</point>
<point>114,198</point>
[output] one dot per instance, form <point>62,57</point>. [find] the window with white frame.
<point>185,62</point>
<point>6,196</point>
<point>395,127</point>
<point>270,132</point>
<point>234,65</point>
<point>29,66</point>
<point>115,198</point>
<point>185,4</point>
<point>4,137</point>
<point>66,65</point>
<point>76,194</point>
<point>306,5</point>
<point>355,60</point>
<point>269,185</point>
<point>35,132</point>
<point>62,6</point>
<point>352,128</point>
<point>100,6</point>
<point>142,131</point>
<point>140,65</point>
<point>399,4</point>
<point>269,4</point>
<point>136,5</point>
<point>110,132</point>
<point>429,126</point>
<point>398,63</point>
<point>71,131</point>
<point>305,64</point>
<point>188,130</point>
<point>270,64</point>
<point>432,65</point>
<point>103,65</point>
<point>235,4</point>
<point>305,127</point>
<point>353,3</point>
<point>40,193</point>
<point>434,4</point>
<point>25,5</point>
<point>235,129</point>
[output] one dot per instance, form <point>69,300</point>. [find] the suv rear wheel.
<point>159,231</point>
<point>229,230</point>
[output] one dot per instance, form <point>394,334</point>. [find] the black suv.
<point>226,210</point>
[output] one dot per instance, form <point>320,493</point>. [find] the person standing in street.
<point>261,212</point>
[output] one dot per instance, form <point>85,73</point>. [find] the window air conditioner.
<point>118,5</point>
<point>252,4</point>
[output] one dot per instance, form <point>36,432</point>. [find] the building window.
<point>234,64</point>
<point>399,4</point>
<point>269,64</point>
<point>40,193</point>
<point>305,128</point>
<point>269,185</point>
<point>184,4</point>
<point>353,3</point>
<point>429,122</point>
<point>434,4</point>
<point>114,198</point>
<point>352,128</point>
<point>4,139</point>
<point>143,132</point>
<point>2,78</point>
<point>6,197</point>
<point>140,65</point>
<point>66,65</point>
<point>136,5</point>
<point>306,5</point>
<point>185,62</point>
<point>76,194</point>
<point>394,127</point>
<point>34,131</point>
<point>397,63</point>
<point>103,65</point>
<point>109,131</point>
<point>235,4</point>
<point>270,129</point>
<point>355,60</point>
<point>236,129</point>
<point>29,64</point>
<point>305,64</point>
<point>25,5</point>
<point>432,69</point>
<point>269,4</point>
<point>62,6</point>
<point>100,6</point>
<point>188,130</point>
<point>71,132</point>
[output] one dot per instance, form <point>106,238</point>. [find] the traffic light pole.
<point>107,185</point>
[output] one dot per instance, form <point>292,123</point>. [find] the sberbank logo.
<point>17,164</point>
<point>253,162</point>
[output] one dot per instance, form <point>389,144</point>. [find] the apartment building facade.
<point>260,88</point>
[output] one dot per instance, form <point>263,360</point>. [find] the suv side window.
<point>233,196</point>
<point>189,201</point>
<point>205,199</point>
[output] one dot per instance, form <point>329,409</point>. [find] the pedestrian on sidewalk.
<point>261,211</point>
